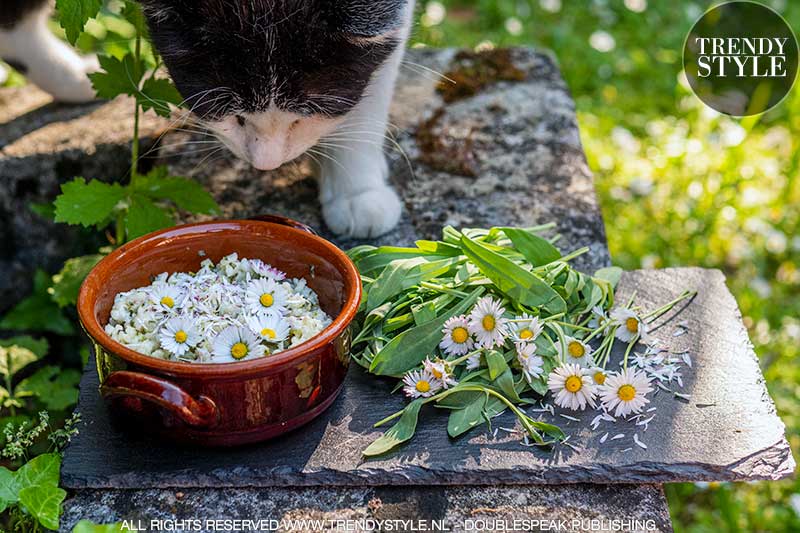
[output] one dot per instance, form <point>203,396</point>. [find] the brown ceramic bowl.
<point>224,404</point>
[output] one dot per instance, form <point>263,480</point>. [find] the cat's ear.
<point>376,20</point>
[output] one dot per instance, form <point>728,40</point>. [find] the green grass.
<point>679,185</point>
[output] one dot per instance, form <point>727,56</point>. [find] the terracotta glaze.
<point>223,404</point>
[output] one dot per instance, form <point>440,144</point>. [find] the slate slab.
<point>543,508</point>
<point>727,429</point>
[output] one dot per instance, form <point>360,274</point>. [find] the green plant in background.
<point>679,185</point>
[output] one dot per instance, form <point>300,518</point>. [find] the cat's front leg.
<point>47,61</point>
<point>356,199</point>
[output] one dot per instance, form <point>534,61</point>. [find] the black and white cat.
<point>272,78</point>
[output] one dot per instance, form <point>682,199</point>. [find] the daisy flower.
<point>178,335</point>
<point>532,364</point>
<point>572,387</point>
<point>265,295</point>
<point>599,318</point>
<point>631,326</point>
<point>235,343</point>
<point>441,371</point>
<point>457,339</point>
<point>270,327</point>
<point>598,375</point>
<point>166,297</point>
<point>474,361</point>
<point>486,322</point>
<point>626,391</point>
<point>576,351</point>
<point>420,384</point>
<point>266,270</point>
<point>526,331</point>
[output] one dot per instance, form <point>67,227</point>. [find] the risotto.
<point>238,309</point>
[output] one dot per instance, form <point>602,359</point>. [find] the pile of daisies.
<point>235,310</point>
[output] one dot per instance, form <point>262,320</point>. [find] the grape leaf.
<point>67,283</point>
<point>73,15</point>
<point>119,77</point>
<point>87,203</point>
<point>157,94</point>
<point>44,503</point>
<point>144,216</point>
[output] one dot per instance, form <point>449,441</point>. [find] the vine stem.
<point>135,141</point>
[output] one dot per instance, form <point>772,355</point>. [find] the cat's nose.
<point>267,154</point>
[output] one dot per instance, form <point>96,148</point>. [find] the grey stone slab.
<point>455,509</point>
<point>726,431</point>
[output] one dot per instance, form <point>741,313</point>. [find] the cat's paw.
<point>68,81</point>
<point>368,213</point>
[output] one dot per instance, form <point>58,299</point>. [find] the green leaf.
<point>402,431</point>
<point>424,312</point>
<point>145,216</point>
<point>481,409</point>
<point>73,15</point>
<point>44,503</point>
<point>157,94</point>
<point>67,283</point>
<point>15,358</point>
<point>537,251</point>
<point>38,312</point>
<point>496,363</point>
<point>37,346</point>
<point>610,274</point>
<point>41,470</point>
<point>410,347</point>
<point>45,210</point>
<point>87,526</point>
<point>9,489</point>
<point>516,282</point>
<point>56,388</point>
<point>185,193</point>
<point>402,274</point>
<point>118,77</point>
<point>87,203</point>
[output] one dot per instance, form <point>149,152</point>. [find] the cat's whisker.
<point>423,68</point>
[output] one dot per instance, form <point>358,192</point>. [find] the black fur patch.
<point>13,11</point>
<point>303,56</point>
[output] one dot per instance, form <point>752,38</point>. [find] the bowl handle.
<point>200,412</point>
<point>284,221</point>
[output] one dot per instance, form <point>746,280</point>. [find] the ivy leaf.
<point>44,503</point>
<point>56,388</point>
<point>118,77</point>
<point>41,470</point>
<point>145,216</point>
<point>402,431</point>
<point>9,489</point>
<point>67,283</point>
<point>38,312</point>
<point>73,15</point>
<point>87,526</point>
<point>157,94</point>
<point>185,193</point>
<point>87,203</point>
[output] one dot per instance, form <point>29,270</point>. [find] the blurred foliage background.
<point>679,184</point>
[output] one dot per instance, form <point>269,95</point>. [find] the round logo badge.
<point>741,58</point>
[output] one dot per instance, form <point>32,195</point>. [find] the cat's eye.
<point>240,119</point>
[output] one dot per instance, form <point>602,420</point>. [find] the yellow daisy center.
<point>626,393</point>
<point>168,301</point>
<point>632,325</point>
<point>599,378</point>
<point>266,299</point>
<point>525,334</point>
<point>488,323</point>
<point>423,386</point>
<point>576,349</point>
<point>181,336</point>
<point>436,373</point>
<point>266,332</point>
<point>239,350</point>
<point>573,384</point>
<point>459,335</point>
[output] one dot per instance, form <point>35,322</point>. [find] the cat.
<point>28,45</point>
<point>274,78</point>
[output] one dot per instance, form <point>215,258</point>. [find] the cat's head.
<point>271,77</point>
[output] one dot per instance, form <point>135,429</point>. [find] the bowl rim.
<point>102,270</point>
